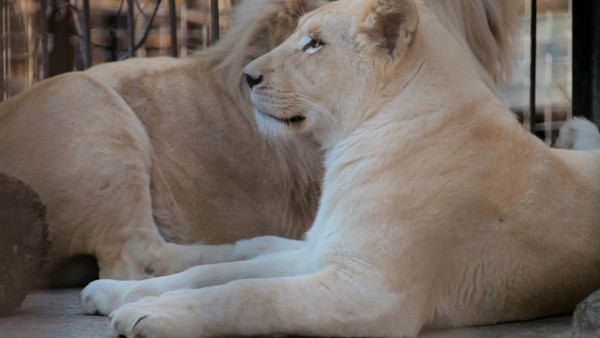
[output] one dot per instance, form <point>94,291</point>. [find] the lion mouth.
<point>289,121</point>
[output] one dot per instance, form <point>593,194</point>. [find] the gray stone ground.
<point>53,314</point>
<point>56,313</point>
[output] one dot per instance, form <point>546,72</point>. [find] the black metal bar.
<point>532,69</point>
<point>130,29</point>
<point>173,27</point>
<point>43,22</point>
<point>214,16</point>
<point>594,114</point>
<point>114,41</point>
<point>140,43</point>
<point>586,63</point>
<point>86,41</point>
<point>4,86</point>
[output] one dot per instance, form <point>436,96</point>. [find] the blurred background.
<point>64,26</point>
<point>22,25</point>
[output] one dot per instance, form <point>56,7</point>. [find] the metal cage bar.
<point>173,27</point>
<point>533,65</point>
<point>130,29</point>
<point>214,16</point>
<point>86,41</point>
<point>43,31</point>
<point>586,59</point>
<point>4,67</point>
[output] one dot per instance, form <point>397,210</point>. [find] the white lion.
<point>437,209</point>
<point>128,151</point>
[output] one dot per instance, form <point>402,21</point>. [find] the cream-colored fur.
<point>437,208</point>
<point>125,148</point>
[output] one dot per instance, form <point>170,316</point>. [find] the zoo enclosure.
<point>556,72</point>
<point>76,34</point>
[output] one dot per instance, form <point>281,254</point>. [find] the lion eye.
<point>312,46</point>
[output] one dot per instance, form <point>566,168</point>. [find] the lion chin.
<point>276,127</point>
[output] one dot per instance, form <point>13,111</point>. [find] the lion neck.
<point>437,89</point>
<point>438,75</point>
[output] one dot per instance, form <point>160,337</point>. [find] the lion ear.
<point>295,8</point>
<point>392,24</point>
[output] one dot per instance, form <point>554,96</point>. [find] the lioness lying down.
<point>128,151</point>
<point>437,208</point>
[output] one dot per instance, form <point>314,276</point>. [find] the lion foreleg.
<point>326,303</point>
<point>178,257</point>
<point>250,248</point>
<point>105,295</point>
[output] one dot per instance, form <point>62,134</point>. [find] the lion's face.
<point>323,77</point>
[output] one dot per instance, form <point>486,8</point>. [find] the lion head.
<point>258,26</point>
<point>349,59</point>
<point>334,66</point>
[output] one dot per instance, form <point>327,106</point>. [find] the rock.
<point>23,241</point>
<point>586,318</point>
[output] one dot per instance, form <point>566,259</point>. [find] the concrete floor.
<point>56,313</point>
<point>53,314</point>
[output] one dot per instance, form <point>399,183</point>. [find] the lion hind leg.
<point>90,161</point>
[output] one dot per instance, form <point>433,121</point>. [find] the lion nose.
<point>253,81</point>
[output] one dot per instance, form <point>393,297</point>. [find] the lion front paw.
<point>103,296</point>
<point>155,317</point>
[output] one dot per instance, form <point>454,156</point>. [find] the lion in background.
<point>145,162</point>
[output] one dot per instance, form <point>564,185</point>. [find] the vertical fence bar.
<point>86,41</point>
<point>173,27</point>
<point>533,64</point>
<point>130,29</point>
<point>4,86</point>
<point>214,16</point>
<point>594,114</point>
<point>586,65</point>
<point>44,40</point>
